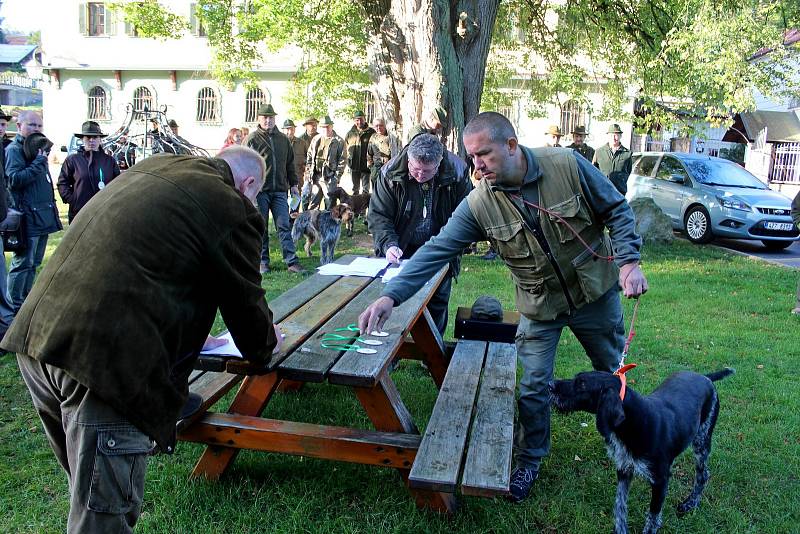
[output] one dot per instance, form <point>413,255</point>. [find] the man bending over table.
<point>560,281</point>
<point>110,332</point>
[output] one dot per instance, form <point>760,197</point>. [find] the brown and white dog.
<point>358,203</point>
<point>322,226</point>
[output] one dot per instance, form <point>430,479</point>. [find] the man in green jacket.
<point>614,160</point>
<point>578,143</point>
<point>432,124</point>
<point>108,336</point>
<point>357,143</point>
<point>545,211</point>
<point>324,163</point>
<point>281,178</point>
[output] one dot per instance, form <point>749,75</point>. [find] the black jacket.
<point>395,207</point>
<point>32,190</point>
<point>79,181</point>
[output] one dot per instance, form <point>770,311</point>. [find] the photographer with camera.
<point>31,187</point>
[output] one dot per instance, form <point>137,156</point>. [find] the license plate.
<point>778,226</point>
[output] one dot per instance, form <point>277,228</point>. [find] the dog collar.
<point>623,379</point>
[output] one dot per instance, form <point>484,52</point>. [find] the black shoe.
<point>489,255</point>
<point>521,482</point>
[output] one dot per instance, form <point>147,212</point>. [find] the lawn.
<point>706,309</point>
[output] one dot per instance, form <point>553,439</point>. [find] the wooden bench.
<point>469,436</point>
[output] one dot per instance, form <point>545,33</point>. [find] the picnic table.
<point>467,442</point>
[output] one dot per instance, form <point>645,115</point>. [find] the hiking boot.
<point>489,255</point>
<point>521,482</point>
<point>263,268</point>
<point>296,268</point>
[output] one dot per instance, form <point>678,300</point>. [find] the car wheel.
<point>697,225</point>
<point>776,245</point>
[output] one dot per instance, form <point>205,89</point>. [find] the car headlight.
<point>732,203</point>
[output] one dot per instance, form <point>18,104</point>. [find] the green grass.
<point>705,310</point>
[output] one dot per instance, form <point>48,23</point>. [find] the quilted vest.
<point>540,294</point>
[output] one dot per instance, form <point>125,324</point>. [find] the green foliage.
<point>151,19</point>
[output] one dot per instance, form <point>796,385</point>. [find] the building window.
<point>194,21</point>
<point>572,115</point>
<point>97,18</point>
<point>369,106</point>
<point>97,103</point>
<point>207,105</point>
<point>143,99</point>
<point>254,99</point>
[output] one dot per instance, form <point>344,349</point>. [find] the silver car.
<point>709,197</point>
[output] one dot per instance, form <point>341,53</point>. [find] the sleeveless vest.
<point>540,294</point>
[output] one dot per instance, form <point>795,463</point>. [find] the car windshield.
<point>723,173</point>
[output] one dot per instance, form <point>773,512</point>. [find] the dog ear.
<point>610,413</point>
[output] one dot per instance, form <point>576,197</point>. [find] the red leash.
<point>624,368</point>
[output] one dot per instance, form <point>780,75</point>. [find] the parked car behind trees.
<point>709,197</point>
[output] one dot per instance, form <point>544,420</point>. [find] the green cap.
<point>266,110</point>
<point>326,121</point>
<point>359,114</point>
<point>614,128</point>
<point>288,123</point>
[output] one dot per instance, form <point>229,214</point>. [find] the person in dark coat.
<point>6,310</point>
<point>87,172</point>
<point>614,160</point>
<point>578,144</point>
<point>357,143</point>
<point>32,193</point>
<point>413,199</point>
<point>109,334</point>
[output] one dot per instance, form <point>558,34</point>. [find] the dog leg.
<point>659,493</point>
<point>621,504</point>
<point>701,446</point>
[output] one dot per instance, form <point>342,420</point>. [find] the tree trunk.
<point>426,53</point>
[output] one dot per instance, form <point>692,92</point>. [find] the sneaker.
<point>489,255</point>
<point>263,268</point>
<point>296,268</point>
<point>521,482</point>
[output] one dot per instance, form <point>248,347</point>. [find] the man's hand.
<point>393,254</point>
<point>632,280</point>
<point>375,316</point>
<point>279,335</point>
<point>213,343</point>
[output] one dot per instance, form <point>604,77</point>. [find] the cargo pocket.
<point>119,468</point>
<point>569,218</point>
<point>510,242</point>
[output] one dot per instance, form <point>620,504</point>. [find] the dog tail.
<point>722,373</point>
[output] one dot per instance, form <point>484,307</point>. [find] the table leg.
<point>429,342</point>
<point>388,413</point>
<point>251,399</point>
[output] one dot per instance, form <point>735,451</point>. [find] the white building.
<point>95,66</point>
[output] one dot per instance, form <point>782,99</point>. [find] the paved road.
<point>789,257</point>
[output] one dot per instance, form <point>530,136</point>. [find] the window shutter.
<point>193,19</point>
<point>111,21</point>
<point>82,19</point>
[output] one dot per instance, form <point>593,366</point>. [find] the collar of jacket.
<point>267,131</point>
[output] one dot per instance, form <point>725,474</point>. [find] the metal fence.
<point>786,165</point>
<point>16,79</point>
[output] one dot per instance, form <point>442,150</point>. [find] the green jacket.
<point>616,166</point>
<point>539,290</point>
<point>357,142</point>
<point>584,150</point>
<point>131,292</point>
<point>299,148</point>
<point>325,158</point>
<point>279,157</point>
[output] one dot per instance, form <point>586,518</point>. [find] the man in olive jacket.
<point>614,160</point>
<point>357,143</point>
<point>414,197</point>
<point>110,332</point>
<point>276,149</point>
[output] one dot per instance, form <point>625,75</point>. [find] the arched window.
<point>253,100</point>
<point>97,103</point>
<point>143,99</point>
<point>207,105</point>
<point>572,115</point>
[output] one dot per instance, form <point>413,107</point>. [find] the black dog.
<point>644,434</point>
<point>358,203</point>
<point>322,226</point>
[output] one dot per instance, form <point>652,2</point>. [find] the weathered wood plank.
<point>310,362</point>
<point>487,469</point>
<point>298,326</point>
<point>388,449</point>
<point>438,461</point>
<point>287,303</point>
<point>364,370</point>
<point>430,343</point>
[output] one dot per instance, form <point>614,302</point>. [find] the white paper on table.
<point>228,349</point>
<point>358,267</point>
<point>391,272</point>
